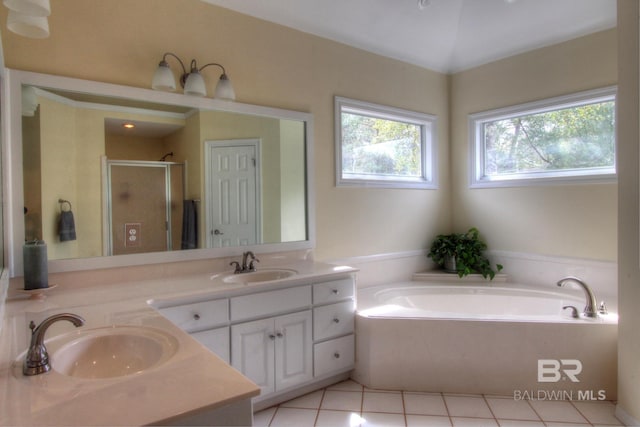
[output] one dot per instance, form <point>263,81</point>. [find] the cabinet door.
<point>293,348</point>
<point>252,352</point>
<point>216,340</point>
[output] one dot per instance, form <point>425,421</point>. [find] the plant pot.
<point>450,264</point>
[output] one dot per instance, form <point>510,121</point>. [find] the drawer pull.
<point>279,334</point>
<point>272,337</point>
<point>336,320</point>
<point>196,316</point>
<point>335,291</point>
<point>336,355</point>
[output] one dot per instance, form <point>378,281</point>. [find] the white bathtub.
<point>474,301</point>
<point>483,338</point>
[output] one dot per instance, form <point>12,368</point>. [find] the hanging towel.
<point>66,226</point>
<point>189,225</point>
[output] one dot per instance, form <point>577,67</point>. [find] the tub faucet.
<point>590,307</point>
<point>37,359</point>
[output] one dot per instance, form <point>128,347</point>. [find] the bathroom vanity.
<point>287,336</point>
<point>282,336</point>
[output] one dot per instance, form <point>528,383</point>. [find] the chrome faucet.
<point>248,260</point>
<point>37,359</point>
<point>590,307</point>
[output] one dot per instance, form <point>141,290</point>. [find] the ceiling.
<point>444,35</point>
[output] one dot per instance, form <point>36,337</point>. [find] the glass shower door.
<point>139,198</point>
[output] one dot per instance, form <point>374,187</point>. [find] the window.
<point>378,146</point>
<point>566,139</point>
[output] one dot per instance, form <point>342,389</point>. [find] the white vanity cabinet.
<point>274,353</point>
<point>206,321</point>
<point>333,326</point>
<point>285,339</point>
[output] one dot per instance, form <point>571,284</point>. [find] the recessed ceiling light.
<point>128,125</point>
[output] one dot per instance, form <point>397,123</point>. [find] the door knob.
<point>217,232</point>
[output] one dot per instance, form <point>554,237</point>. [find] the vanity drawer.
<point>333,291</point>
<point>263,304</point>
<point>199,315</point>
<point>333,320</point>
<point>216,340</point>
<point>335,355</point>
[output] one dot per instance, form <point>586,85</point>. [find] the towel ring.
<point>62,202</point>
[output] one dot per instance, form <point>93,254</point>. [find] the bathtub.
<point>500,339</point>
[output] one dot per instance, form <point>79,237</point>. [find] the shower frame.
<point>107,228</point>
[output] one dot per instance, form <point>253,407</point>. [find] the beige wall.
<point>629,215</point>
<point>121,42</point>
<point>577,221</point>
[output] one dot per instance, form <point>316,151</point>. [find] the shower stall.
<point>144,206</point>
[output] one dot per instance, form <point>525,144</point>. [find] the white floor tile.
<point>342,400</point>
<point>558,411</point>
<point>473,422</point>
<point>348,385</point>
<point>598,412</point>
<point>308,401</point>
<point>382,402</point>
<point>427,421</point>
<point>424,404</point>
<point>467,406</point>
<point>294,417</point>
<point>375,419</point>
<point>511,409</point>
<point>338,419</point>
<point>520,423</point>
<point>263,418</point>
<point>553,424</point>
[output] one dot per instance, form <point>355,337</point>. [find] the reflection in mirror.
<point>142,176</point>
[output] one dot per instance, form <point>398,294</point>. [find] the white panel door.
<point>294,359</point>
<point>252,352</point>
<point>233,217</point>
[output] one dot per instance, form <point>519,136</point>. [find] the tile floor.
<point>348,404</point>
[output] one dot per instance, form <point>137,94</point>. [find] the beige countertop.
<point>193,380</point>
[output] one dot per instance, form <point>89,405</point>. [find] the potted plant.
<point>462,253</point>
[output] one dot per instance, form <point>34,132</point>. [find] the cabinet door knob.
<point>335,291</point>
<point>279,334</point>
<point>336,320</point>
<point>272,337</point>
<point>336,355</point>
<point>196,316</point>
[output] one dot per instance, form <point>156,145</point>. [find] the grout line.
<point>486,402</point>
<point>404,408</point>
<point>315,421</point>
<point>447,408</point>
<point>273,416</point>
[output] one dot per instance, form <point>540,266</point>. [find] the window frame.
<point>476,121</point>
<point>428,144</point>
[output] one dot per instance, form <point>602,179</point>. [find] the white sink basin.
<point>113,352</point>
<point>265,275</point>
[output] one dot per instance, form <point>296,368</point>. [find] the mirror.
<point>193,178</point>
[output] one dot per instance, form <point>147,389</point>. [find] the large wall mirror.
<point>113,176</point>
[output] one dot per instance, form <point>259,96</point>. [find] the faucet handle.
<point>252,267</point>
<point>602,309</point>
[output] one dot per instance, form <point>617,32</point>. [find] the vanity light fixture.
<point>422,4</point>
<point>192,81</point>
<point>28,18</point>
